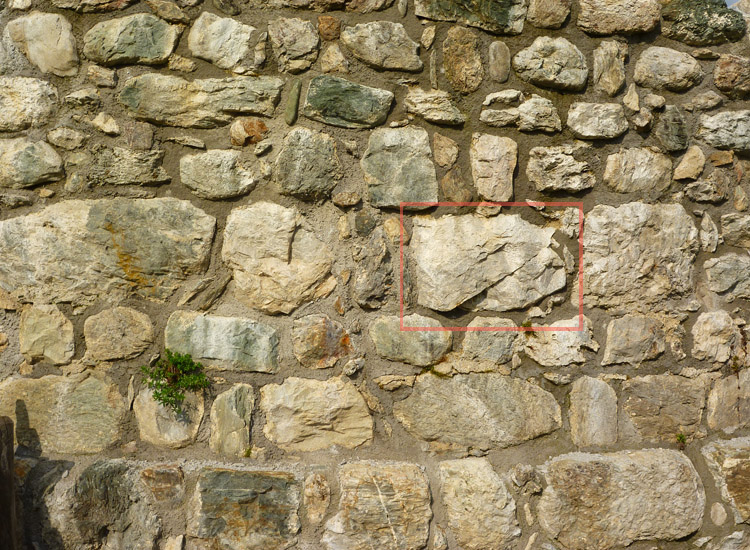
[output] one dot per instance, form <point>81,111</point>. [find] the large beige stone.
<point>309,415</point>
<point>633,339</point>
<point>728,406</point>
<point>383,505</point>
<point>79,414</point>
<point>729,463</point>
<point>47,40</point>
<point>481,511</point>
<point>593,413</point>
<point>46,334</point>
<point>278,261</point>
<point>481,411</point>
<point>717,338</point>
<point>231,420</point>
<point>117,333</point>
<point>638,170</point>
<point>164,427</point>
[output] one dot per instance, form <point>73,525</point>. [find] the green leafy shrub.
<point>170,378</point>
<point>681,441</point>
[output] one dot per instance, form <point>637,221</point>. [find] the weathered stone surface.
<point>548,14</point>
<point>462,60</point>
<point>140,38</point>
<point>319,342</point>
<point>397,167</point>
<point>383,45</point>
<point>368,520</point>
<point>667,69</point>
<point>497,16</point>
<point>661,406</point>
<point>633,339</point>
<point>47,41</point>
<point>46,334</point>
<point>120,166</point>
<point>307,166</point>
<point>25,163</point>
<point>295,43</point>
<point>715,188</point>
<point>736,541</point>
<point>162,426</point>
<point>593,413</point>
<point>553,63</point>
<point>445,150</point>
<point>421,348</point>
<point>560,348</point>
<point>732,75</point>
<point>726,130</point>
<point>499,61</point>
<point>310,415</point>
<point>25,102</point>
<point>729,462</point>
<point>716,338</point>
<point>618,16</point>
<point>481,411</point>
<point>231,420</point>
<point>434,106</point>
<point>730,275</point>
<point>556,169</point>
<point>490,346</point>
<point>597,120</point>
<point>228,342</point>
<point>242,510</point>
<point>317,497</point>
<point>481,512</point>
<point>602,501</point>
<point>735,229</point>
<point>639,257</point>
<point>225,42</point>
<point>86,6</point>
<point>691,165</point>
<point>207,103</point>
<point>332,60</point>
<point>609,66</point>
<point>503,261</point>
<point>77,414</point>
<point>166,482</point>
<point>538,114</point>
<point>493,160</point>
<point>638,170</point>
<point>278,261</point>
<point>75,251</point>
<point>702,22</point>
<point>373,276</point>
<point>728,406</point>
<point>117,333</point>
<point>104,505</point>
<point>339,102</point>
<point>220,174</point>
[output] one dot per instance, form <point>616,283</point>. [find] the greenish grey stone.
<point>420,348</point>
<point>232,342</point>
<point>241,510</point>
<point>307,166</point>
<point>671,131</point>
<point>497,16</point>
<point>25,163</point>
<point>207,103</point>
<point>140,38</point>
<point>78,414</point>
<point>702,22</point>
<point>292,103</point>
<point>77,251</point>
<point>120,166</point>
<point>342,103</point>
<point>397,167</point>
<point>231,420</point>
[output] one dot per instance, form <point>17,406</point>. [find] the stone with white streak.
<point>481,411</point>
<point>559,348</point>
<point>503,261</point>
<point>47,41</point>
<point>383,45</point>
<point>493,160</point>
<point>593,413</point>
<point>225,42</point>
<point>309,415</point>
<point>277,260</point>
<point>367,520</point>
<point>639,257</point>
<point>604,501</point>
<point>597,120</point>
<point>481,511</point>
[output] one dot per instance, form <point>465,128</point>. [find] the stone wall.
<point>224,178</point>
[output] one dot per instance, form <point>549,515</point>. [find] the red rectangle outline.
<point>578,328</point>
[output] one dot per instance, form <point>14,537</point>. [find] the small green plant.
<point>170,378</point>
<point>528,333</point>
<point>248,452</point>
<point>681,441</point>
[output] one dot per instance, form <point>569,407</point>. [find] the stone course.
<point>254,183</point>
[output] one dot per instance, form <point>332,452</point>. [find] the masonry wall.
<point>309,197</point>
